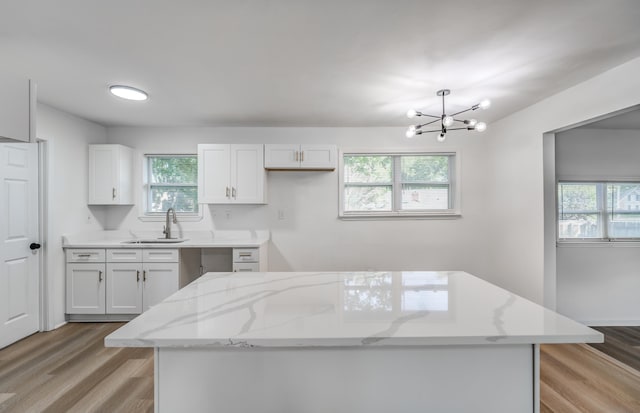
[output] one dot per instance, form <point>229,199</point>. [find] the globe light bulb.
<point>472,122</point>
<point>481,127</point>
<point>447,121</point>
<point>411,132</point>
<point>442,137</point>
<point>485,104</point>
<point>411,113</point>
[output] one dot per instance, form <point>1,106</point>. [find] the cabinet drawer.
<point>85,255</point>
<point>246,255</point>
<point>160,255</point>
<point>246,267</point>
<point>124,255</point>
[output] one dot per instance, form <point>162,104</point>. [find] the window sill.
<point>598,243</point>
<point>400,215</point>
<point>163,217</point>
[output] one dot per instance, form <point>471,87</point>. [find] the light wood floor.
<point>70,370</point>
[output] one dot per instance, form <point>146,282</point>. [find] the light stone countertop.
<point>346,309</point>
<point>194,239</point>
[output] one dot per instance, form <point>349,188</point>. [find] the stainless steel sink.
<point>156,241</point>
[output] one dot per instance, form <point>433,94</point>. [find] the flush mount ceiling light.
<point>128,92</point>
<point>446,121</point>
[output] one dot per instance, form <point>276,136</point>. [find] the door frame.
<point>43,212</point>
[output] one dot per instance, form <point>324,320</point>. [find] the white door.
<point>86,288</point>
<point>213,174</point>
<point>160,281</point>
<point>19,264</point>
<point>247,174</point>
<point>124,288</point>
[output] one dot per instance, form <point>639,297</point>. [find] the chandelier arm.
<point>430,116</point>
<point>448,129</point>
<point>460,120</point>
<point>462,111</point>
<point>428,123</point>
<point>432,130</point>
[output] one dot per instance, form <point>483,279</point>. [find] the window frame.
<point>603,212</point>
<point>145,214</point>
<point>454,210</point>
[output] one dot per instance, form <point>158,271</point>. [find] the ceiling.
<point>308,63</point>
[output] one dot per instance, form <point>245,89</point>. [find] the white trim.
<point>43,236</point>
<point>454,186</point>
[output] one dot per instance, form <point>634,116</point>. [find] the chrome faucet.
<point>167,228</point>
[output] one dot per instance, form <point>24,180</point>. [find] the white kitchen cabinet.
<point>231,174</point>
<point>311,157</point>
<point>249,259</point>
<point>124,288</point>
<point>160,281</point>
<point>110,175</point>
<point>17,108</point>
<point>131,281</point>
<point>86,288</point>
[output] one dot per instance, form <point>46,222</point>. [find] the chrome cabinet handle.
<point>138,276</point>
<point>227,193</point>
<point>113,193</point>
<point>233,192</point>
<point>302,156</point>
<point>296,156</point>
<point>99,276</point>
<point>84,255</point>
<point>144,276</point>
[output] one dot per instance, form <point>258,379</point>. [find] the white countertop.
<point>344,309</point>
<point>194,239</point>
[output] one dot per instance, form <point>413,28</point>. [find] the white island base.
<point>478,379</point>
<point>337,342</point>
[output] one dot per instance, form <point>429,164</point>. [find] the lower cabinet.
<point>129,282</point>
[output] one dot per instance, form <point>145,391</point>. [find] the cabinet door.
<point>124,288</point>
<point>15,108</point>
<point>247,174</point>
<point>160,281</point>
<point>86,288</point>
<point>282,156</point>
<point>214,166</point>
<point>103,174</point>
<point>318,156</point>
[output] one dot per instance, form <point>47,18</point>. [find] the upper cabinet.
<point>318,157</point>
<point>17,109</point>
<point>231,174</point>
<point>110,175</point>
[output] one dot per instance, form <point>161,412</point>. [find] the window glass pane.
<point>182,199</point>
<point>425,168</point>
<point>415,196</point>
<point>175,170</point>
<point>367,198</point>
<point>368,169</point>
<point>579,226</point>
<point>582,197</point>
<point>624,210</point>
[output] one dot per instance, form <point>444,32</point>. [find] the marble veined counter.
<point>346,309</point>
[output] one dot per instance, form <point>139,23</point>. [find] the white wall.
<point>311,237</point>
<point>598,284</point>
<point>67,137</point>
<point>515,193</point>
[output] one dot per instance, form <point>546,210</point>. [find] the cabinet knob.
<point>302,156</point>
<point>99,276</point>
<point>233,192</point>
<point>144,276</point>
<point>138,276</point>
<point>227,192</point>
<point>113,193</point>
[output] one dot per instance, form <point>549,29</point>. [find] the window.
<point>598,210</point>
<point>388,184</point>
<point>172,182</point>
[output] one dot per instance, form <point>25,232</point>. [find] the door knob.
<point>34,246</point>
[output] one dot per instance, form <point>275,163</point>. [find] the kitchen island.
<point>347,342</point>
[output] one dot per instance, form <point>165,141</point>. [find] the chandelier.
<point>446,121</point>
